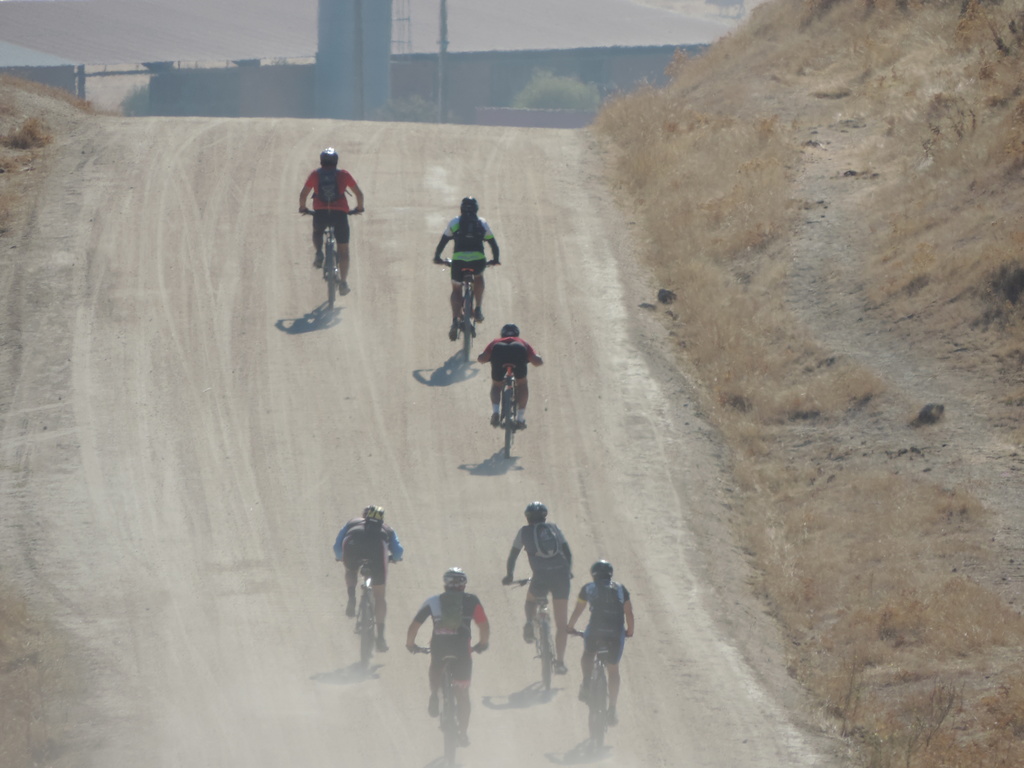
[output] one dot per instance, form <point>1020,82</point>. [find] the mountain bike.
<point>330,270</point>
<point>448,707</point>
<point>366,615</point>
<point>542,637</point>
<point>467,323</point>
<point>597,693</point>
<point>508,408</point>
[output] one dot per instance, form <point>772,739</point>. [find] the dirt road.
<point>187,432</point>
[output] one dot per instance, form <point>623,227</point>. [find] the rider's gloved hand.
<point>437,260</point>
<point>360,209</point>
<point>507,580</point>
<point>411,647</point>
<point>303,209</point>
<point>480,647</point>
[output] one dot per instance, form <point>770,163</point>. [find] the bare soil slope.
<point>186,428</point>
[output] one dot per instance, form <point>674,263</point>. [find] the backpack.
<point>451,618</point>
<point>470,235</point>
<point>364,537</point>
<point>546,541</point>
<point>607,606</point>
<point>329,191</point>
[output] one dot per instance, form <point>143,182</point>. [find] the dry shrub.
<point>31,135</point>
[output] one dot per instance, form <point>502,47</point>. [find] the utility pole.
<point>441,91</point>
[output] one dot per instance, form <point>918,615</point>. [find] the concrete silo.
<point>353,58</point>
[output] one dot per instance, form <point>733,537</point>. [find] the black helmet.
<point>469,205</point>
<point>601,571</point>
<point>455,578</point>
<point>509,329</point>
<point>536,512</point>
<point>374,513</point>
<point>329,157</point>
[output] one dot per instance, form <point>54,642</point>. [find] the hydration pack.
<point>546,541</point>
<point>470,236</point>
<point>607,605</point>
<point>328,186</point>
<point>451,617</point>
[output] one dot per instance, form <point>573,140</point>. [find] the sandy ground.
<point>187,428</point>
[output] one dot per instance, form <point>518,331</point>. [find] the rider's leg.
<point>456,300</point>
<point>530,607</point>
<point>380,605</point>
<point>478,291</point>
<point>522,396</point>
<point>350,582</point>
<point>561,611</point>
<point>463,705</point>
<point>343,262</point>
<point>613,684</point>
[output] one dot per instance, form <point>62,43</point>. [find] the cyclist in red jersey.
<point>329,186</point>
<point>509,348</point>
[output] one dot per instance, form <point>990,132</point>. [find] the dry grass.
<point>874,575</point>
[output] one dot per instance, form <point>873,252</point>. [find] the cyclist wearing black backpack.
<point>330,206</point>
<point>611,622</point>
<point>551,562</point>
<point>470,232</point>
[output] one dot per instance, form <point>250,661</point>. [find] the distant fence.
<point>534,118</point>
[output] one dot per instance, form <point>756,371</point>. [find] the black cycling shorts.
<point>556,582</point>
<point>339,219</point>
<point>460,268</point>
<point>452,645</point>
<point>612,639</point>
<point>352,557</point>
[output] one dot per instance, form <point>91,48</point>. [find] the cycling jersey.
<point>510,349</point>
<point>345,181</point>
<point>469,237</point>
<point>527,539</point>
<point>607,607</point>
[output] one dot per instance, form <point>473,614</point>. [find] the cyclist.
<point>551,563</point>
<point>611,622</point>
<point>367,538</point>
<point>469,232</point>
<point>453,612</point>
<point>509,348</point>
<point>330,206</point>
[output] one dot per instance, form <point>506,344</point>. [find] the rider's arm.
<point>410,636</point>
<point>338,542</point>
<point>440,246</point>
<point>359,195</point>
<point>627,608</point>
<point>485,356</point>
<point>576,611</point>
<point>510,564</point>
<point>303,195</point>
<point>567,551</point>
<point>493,242</point>
<point>483,627</point>
<point>395,546</point>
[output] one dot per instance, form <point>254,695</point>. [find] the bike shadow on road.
<point>582,753</point>
<point>494,466</point>
<point>319,319</point>
<point>530,696</point>
<point>353,673</point>
<point>454,370</point>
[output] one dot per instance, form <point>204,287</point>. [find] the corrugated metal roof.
<point>115,32</point>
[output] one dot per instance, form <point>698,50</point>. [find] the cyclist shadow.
<point>350,675</point>
<point>584,752</point>
<point>318,319</point>
<point>452,371</point>
<point>493,466</point>
<point>530,696</point>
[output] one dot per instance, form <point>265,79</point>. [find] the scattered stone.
<point>665,296</point>
<point>647,305</point>
<point>930,414</point>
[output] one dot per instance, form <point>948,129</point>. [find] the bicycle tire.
<point>598,703</point>
<point>546,655</point>
<point>330,272</point>
<point>449,714</point>
<point>468,328</point>
<point>508,417</point>
<point>367,627</point>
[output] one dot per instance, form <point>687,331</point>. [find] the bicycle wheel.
<point>366,625</point>
<point>468,328</point>
<point>330,273</point>
<point>598,703</point>
<point>449,714</point>
<point>546,655</point>
<point>508,417</point>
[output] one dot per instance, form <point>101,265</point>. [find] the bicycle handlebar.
<point>518,583</point>
<point>353,212</point>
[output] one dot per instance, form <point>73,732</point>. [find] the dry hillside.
<point>834,194</point>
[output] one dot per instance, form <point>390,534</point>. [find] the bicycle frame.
<point>509,407</point>
<point>448,711</point>
<point>542,638</point>
<point>468,318</point>
<point>366,616</point>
